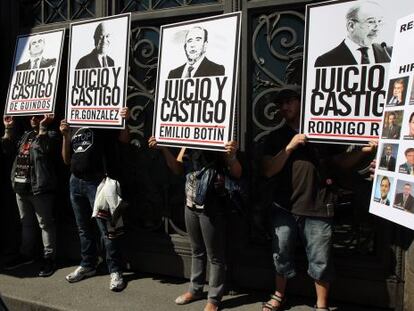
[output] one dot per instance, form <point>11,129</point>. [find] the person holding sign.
<point>98,56</point>
<point>88,151</point>
<point>36,48</point>
<point>198,65</point>
<point>303,200</point>
<point>34,181</point>
<point>363,23</point>
<point>205,172</point>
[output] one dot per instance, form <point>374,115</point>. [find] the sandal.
<point>320,309</point>
<point>269,307</point>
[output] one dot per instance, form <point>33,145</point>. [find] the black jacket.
<point>43,152</point>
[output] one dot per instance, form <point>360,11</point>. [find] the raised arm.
<point>174,163</point>
<point>233,164</point>
<point>64,129</point>
<point>274,164</point>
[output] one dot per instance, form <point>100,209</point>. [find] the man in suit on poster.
<point>98,56</point>
<point>385,185</point>
<point>408,166</point>
<point>363,23</point>
<point>197,65</point>
<point>397,98</point>
<point>387,160</point>
<point>391,129</point>
<point>36,48</point>
<point>404,199</point>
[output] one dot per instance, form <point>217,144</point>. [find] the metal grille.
<point>43,12</point>
<point>149,5</point>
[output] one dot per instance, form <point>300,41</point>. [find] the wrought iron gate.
<point>368,251</point>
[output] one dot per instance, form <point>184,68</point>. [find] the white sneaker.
<point>80,273</point>
<point>117,282</point>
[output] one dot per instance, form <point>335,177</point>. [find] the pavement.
<point>22,290</point>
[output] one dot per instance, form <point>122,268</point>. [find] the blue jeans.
<point>316,236</point>
<point>82,197</point>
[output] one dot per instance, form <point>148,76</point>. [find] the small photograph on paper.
<point>404,199</point>
<point>382,189</point>
<point>388,158</point>
<point>408,124</point>
<point>407,167</point>
<point>412,93</point>
<point>397,91</point>
<point>392,124</point>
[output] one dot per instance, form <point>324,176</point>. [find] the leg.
<point>83,211</point>
<point>198,256</point>
<point>27,218</point>
<point>322,292</point>
<point>43,205</point>
<point>317,236</point>
<point>213,231</point>
<point>284,235</point>
<point>113,254</point>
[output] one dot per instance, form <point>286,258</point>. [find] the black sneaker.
<point>47,268</point>
<point>18,262</point>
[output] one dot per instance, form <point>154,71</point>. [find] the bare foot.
<point>210,307</point>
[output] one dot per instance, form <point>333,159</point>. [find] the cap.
<point>287,91</point>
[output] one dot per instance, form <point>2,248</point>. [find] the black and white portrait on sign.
<point>197,81</point>
<point>35,73</point>
<point>348,52</point>
<point>37,59</point>
<point>197,64</point>
<point>362,44</point>
<point>98,71</point>
<point>98,57</point>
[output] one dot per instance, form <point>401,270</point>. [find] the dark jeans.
<point>82,196</point>
<point>207,237</point>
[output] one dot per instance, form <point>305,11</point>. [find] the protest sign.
<point>98,72</point>
<point>345,68</point>
<point>197,82</point>
<point>35,72</point>
<point>393,190</point>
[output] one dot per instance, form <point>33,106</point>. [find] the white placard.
<point>35,73</point>
<point>393,189</point>
<point>347,54</point>
<point>197,82</point>
<point>98,72</point>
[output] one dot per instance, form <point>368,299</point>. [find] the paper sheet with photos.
<point>393,188</point>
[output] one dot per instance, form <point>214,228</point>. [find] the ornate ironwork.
<point>43,12</point>
<point>154,192</point>
<point>149,5</point>
<point>274,35</point>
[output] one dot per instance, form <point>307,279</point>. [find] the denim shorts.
<point>316,236</point>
